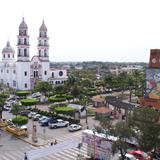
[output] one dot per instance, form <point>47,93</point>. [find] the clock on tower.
<point>154,58</point>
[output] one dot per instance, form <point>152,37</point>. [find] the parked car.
<point>10,123</point>
<point>36,117</point>
<point>5,108</point>
<point>42,118</point>
<point>45,122</point>
<point>25,113</point>
<point>36,95</point>
<point>140,155</point>
<point>74,127</point>
<point>59,123</point>
<point>24,127</point>
<point>31,114</point>
<point>128,157</point>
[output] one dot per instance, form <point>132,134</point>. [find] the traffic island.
<point>39,141</point>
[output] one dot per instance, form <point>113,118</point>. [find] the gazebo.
<point>102,112</point>
<point>98,101</point>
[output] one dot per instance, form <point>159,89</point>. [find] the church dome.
<point>43,27</point>
<point>23,25</point>
<point>8,48</point>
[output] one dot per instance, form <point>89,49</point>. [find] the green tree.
<point>122,132</point>
<point>130,84</point>
<point>75,90</point>
<point>146,122</point>
<point>43,87</point>
<point>16,109</point>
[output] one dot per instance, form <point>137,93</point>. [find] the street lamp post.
<point>94,145</point>
<point>86,110</point>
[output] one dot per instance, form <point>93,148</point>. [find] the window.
<point>8,55</point>
<point>25,52</point>
<point>52,74</point>
<point>19,52</point>
<point>45,72</point>
<point>39,53</point>
<point>45,53</point>
<point>14,71</point>
<point>7,71</point>
<point>19,41</point>
<point>25,41</point>
<point>13,56</point>
<point>1,80</point>
<point>39,42</point>
<point>1,70</point>
<point>25,85</point>
<point>4,56</point>
<point>45,42</point>
<point>60,73</point>
<point>35,73</point>
<point>25,73</point>
<point>14,83</point>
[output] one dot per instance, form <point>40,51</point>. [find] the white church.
<point>20,72</point>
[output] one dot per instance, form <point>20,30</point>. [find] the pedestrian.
<point>55,142</point>
<point>25,156</point>
<point>51,143</point>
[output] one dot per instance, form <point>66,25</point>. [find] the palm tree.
<point>16,109</point>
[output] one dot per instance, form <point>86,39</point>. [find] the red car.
<point>140,155</point>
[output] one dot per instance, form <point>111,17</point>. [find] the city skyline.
<point>86,30</point>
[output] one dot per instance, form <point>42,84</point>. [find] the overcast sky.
<point>86,30</point>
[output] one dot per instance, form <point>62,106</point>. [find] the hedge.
<point>4,95</point>
<point>57,99</point>
<point>64,110</point>
<point>20,120</point>
<point>22,93</point>
<point>29,101</point>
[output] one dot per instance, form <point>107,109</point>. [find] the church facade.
<point>19,72</point>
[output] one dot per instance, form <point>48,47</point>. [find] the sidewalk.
<point>38,143</point>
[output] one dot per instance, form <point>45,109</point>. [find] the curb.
<point>21,138</point>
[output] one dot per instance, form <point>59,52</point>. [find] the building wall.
<point>23,81</point>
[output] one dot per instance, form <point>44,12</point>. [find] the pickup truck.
<point>58,123</point>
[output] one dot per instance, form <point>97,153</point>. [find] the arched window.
<point>19,41</point>
<point>25,52</point>
<point>25,41</point>
<point>39,53</point>
<point>45,42</point>
<point>45,53</point>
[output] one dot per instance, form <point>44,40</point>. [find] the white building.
<point>23,73</point>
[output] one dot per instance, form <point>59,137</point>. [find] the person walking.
<point>51,143</point>
<point>55,142</point>
<point>25,156</point>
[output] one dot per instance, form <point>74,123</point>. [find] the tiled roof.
<point>102,110</point>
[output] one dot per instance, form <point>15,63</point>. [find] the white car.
<point>58,123</point>
<point>36,117</point>
<point>31,114</point>
<point>74,127</point>
<point>128,157</point>
<point>42,118</point>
